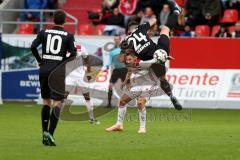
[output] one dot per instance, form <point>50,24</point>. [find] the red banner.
<point>205,53</point>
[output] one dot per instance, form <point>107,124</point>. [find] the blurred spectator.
<point>115,24</point>
<point>187,32</point>
<point>127,8</point>
<point>33,4</point>
<point>142,4</point>
<point>194,15</point>
<point>225,3</point>
<point>223,32</point>
<point>148,14</point>
<point>211,11</point>
<point>116,19</point>
<point>234,4</point>
<point>237,34</point>
<point>109,5</point>
<point>52,4</point>
<point>163,17</point>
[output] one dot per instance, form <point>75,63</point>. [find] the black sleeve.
<point>71,47</point>
<point>144,27</point>
<point>36,42</point>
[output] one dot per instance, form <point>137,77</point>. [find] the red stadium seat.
<point>25,29</point>
<point>100,29</point>
<point>230,16</point>
<point>215,30</point>
<point>202,31</point>
<point>85,29</point>
<point>234,28</point>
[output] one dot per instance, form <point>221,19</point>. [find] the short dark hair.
<point>59,17</point>
<point>132,23</point>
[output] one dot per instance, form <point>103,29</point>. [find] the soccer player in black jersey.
<point>56,42</point>
<point>141,45</point>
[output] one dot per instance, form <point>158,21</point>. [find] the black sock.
<point>45,117</point>
<point>166,87</point>
<point>54,119</point>
<point>109,97</point>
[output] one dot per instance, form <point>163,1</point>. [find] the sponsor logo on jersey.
<point>56,32</point>
<point>51,57</point>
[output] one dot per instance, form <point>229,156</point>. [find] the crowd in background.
<point>116,14</point>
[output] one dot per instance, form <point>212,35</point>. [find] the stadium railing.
<point>41,23</point>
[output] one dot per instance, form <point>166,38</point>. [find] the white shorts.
<point>145,85</point>
<point>76,85</point>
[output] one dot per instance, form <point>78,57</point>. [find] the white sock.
<point>142,117</point>
<point>121,113</point>
<point>89,105</point>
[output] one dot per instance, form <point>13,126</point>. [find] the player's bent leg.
<point>141,101</point>
<point>89,106</point>
<point>54,118</point>
<point>121,114</point>
<point>168,90</point>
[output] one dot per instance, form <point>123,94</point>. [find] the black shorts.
<point>164,43</point>
<point>48,90</point>
<point>118,73</point>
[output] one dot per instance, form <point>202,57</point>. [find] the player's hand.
<point>39,64</point>
<point>161,55</point>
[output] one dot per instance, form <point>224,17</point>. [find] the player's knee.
<point>123,102</point>
<point>47,102</point>
<point>141,103</point>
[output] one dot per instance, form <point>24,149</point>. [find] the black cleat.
<point>175,8</point>
<point>45,139</point>
<point>92,121</point>
<point>176,104</point>
<point>51,140</point>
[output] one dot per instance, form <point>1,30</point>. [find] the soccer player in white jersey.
<point>80,77</point>
<point>141,82</point>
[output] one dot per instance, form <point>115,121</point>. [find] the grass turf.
<point>199,134</point>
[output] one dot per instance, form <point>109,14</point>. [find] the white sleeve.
<point>147,64</point>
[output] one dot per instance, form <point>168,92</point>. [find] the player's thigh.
<point>45,90</point>
<point>58,90</point>
<point>125,99</point>
<point>159,69</point>
<point>123,73</point>
<point>164,43</point>
<point>141,101</point>
<point>114,76</point>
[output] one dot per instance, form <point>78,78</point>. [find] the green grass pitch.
<point>198,134</point>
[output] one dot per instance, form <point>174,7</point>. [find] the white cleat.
<point>114,128</point>
<point>142,130</point>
